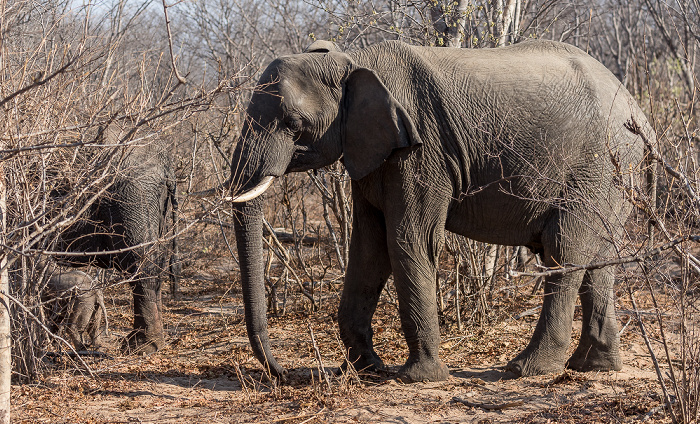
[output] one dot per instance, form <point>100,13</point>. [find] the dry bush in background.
<point>66,76</point>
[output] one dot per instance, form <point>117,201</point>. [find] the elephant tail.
<point>651,156</point>
<point>174,267</point>
<point>651,182</point>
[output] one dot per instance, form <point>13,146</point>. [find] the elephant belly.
<point>499,219</point>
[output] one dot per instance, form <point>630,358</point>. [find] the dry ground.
<point>207,373</point>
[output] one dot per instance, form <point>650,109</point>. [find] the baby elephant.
<point>71,301</point>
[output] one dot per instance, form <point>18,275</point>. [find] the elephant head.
<point>307,111</point>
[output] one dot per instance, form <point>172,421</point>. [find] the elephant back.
<point>132,210</point>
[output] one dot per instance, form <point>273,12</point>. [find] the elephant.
<point>71,300</point>
<point>127,221</point>
<point>519,145</point>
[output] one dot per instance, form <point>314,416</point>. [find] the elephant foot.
<point>101,344</point>
<point>426,369</point>
<point>588,359</point>
<point>527,364</point>
<point>138,342</point>
<point>365,363</point>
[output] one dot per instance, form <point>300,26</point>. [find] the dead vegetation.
<point>207,372</point>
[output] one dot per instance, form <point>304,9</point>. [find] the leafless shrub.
<point>62,82</point>
<point>677,280</point>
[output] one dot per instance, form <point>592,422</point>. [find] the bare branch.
<point>567,268</point>
<point>38,82</point>
<point>41,324</point>
<point>634,128</point>
<point>179,77</point>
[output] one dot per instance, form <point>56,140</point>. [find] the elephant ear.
<point>375,124</point>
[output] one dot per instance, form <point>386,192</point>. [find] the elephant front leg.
<point>147,335</point>
<point>414,261</point>
<point>99,327</point>
<point>367,272</point>
<point>83,306</point>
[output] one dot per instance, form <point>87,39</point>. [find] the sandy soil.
<point>207,373</point>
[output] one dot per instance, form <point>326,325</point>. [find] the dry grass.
<point>208,374</point>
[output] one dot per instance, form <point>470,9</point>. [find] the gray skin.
<point>129,218</point>
<point>71,301</point>
<point>515,146</point>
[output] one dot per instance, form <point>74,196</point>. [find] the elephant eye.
<point>293,123</point>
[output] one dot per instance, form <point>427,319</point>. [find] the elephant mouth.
<point>303,159</point>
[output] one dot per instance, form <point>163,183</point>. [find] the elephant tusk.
<point>252,193</point>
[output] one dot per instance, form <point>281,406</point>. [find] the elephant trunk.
<point>248,227</point>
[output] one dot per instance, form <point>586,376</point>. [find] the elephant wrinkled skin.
<point>511,145</point>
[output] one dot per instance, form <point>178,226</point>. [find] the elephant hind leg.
<point>598,348</point>
<point>546,352</point>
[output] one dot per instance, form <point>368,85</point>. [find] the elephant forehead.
<point>299,94</point>
<point>290,93</point>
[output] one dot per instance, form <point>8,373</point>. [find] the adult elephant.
<point>126,223</point>
<point>520,145</point>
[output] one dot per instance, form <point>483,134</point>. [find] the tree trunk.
<point>5,342</point>
<point>490,264</point>
<point>505,20</point>
<point>5,358</point>
<point>448,21</point>
<point>113,42</point>
<point>683,61</point>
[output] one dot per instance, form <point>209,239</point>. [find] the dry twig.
<point>487,405</point>
<point>567,267</point>
<point>180,78</point>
